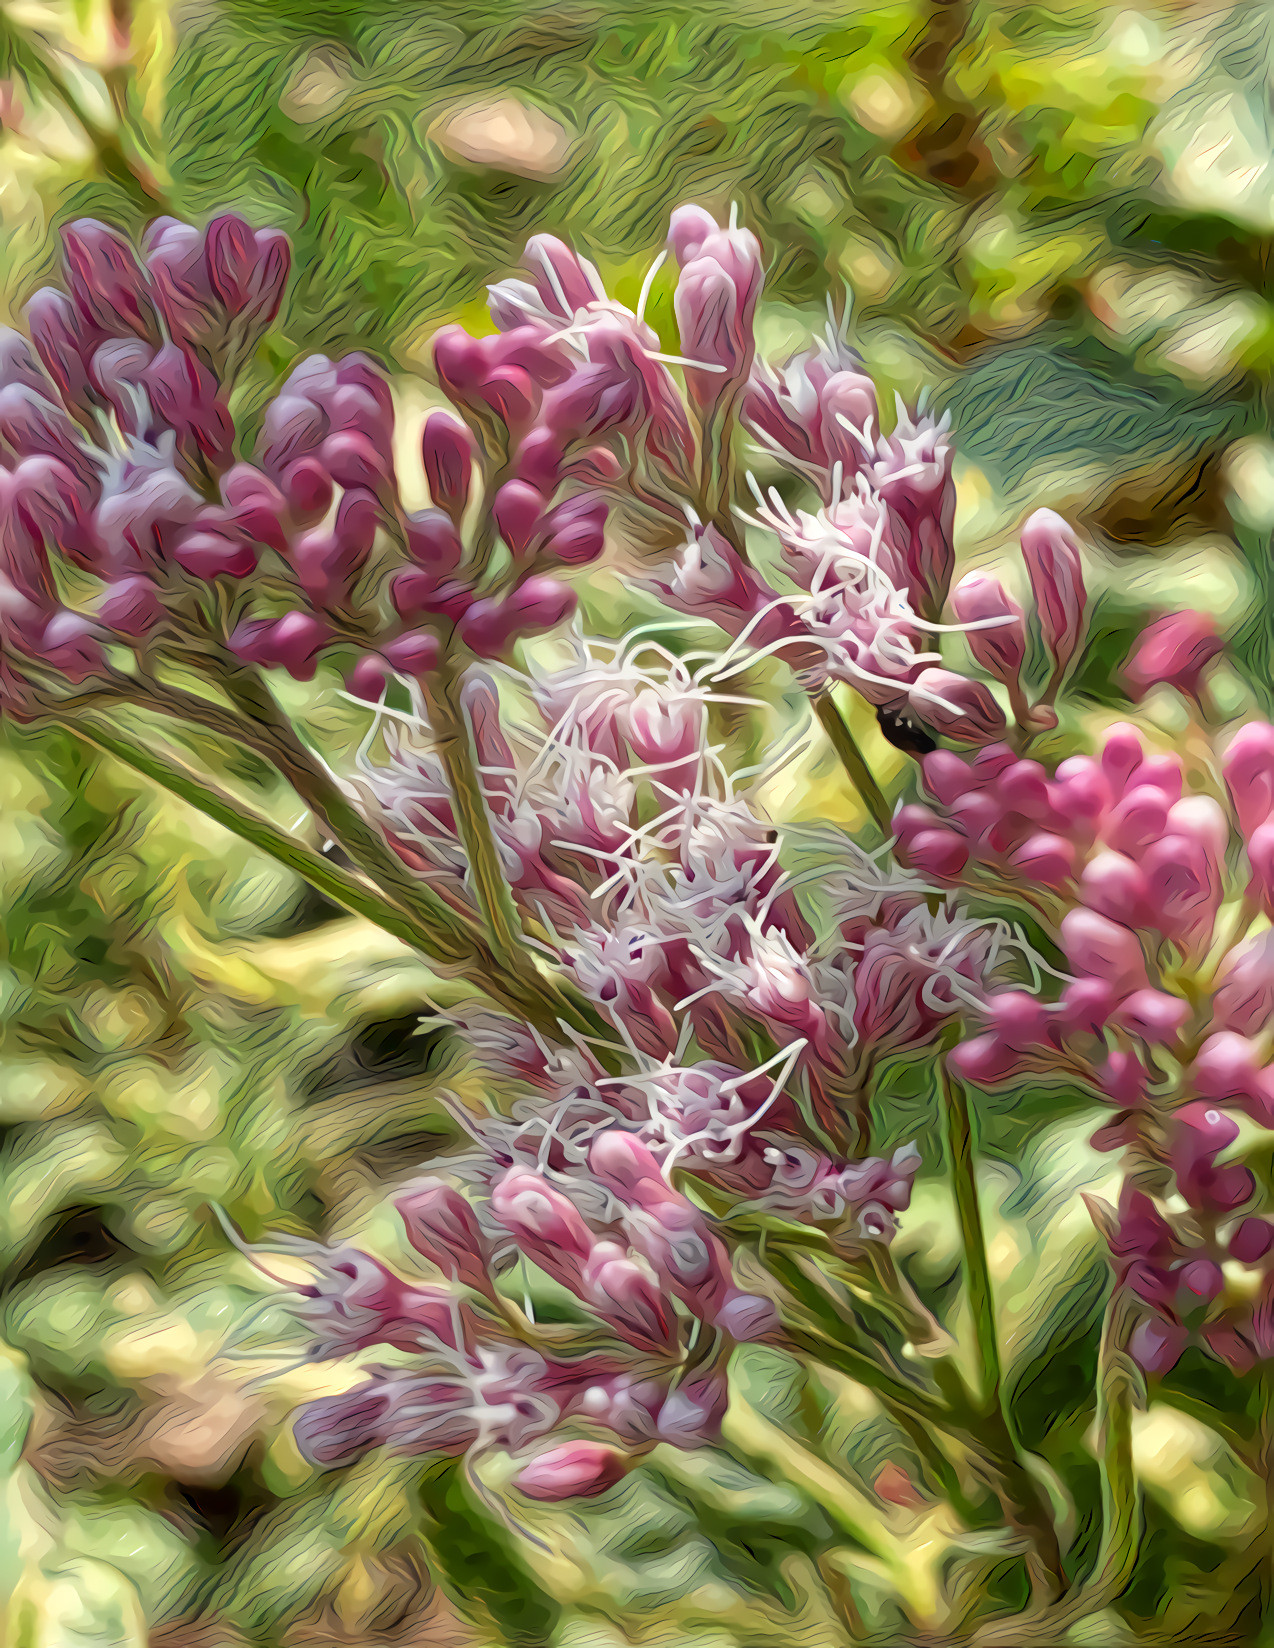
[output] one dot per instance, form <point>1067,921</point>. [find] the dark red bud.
<point>416,654</point>
<point>433,541</point>
<point>208,555</point>
<point>518,511</point>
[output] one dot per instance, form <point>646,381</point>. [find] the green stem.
<point>852,759</point>
<point>1119,1392</point>
<point>453,742</point>
<point>991,1422</point>
<point>232,814</point>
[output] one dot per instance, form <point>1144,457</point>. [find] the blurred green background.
<point>1060,219</point>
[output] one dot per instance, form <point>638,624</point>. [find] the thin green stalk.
<point>852,759</point>
<point>232,814</point>
<point>1119,1393</point>
<point>453,741</point>
<point>992,1424</point>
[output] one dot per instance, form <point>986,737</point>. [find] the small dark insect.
<point>903,731</point>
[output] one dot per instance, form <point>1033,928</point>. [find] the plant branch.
<point>853,760</point>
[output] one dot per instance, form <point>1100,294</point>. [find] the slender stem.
<point>453,742</point>
<point>993,1424</point>
<point>232,814</point>
<point>852,759</point>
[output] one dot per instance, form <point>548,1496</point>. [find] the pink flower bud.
<point>665,734</point>
<point>1087,1005</point>
<point>688,228</point>
<point>1248,766</point>
<point>255,506</point>
<point>209,555</point>
<point>1185,887</point>
<point>693,1413</point>
<point>562,278</point>
<point>447,448</point>
<point>541,457</point>
<point>130,607</point>
<point>518,510</point>
<point>847,411</point>
<point>714,319</point>
<point>1174,650</point>
<point>186,396</point>
<point>939,852</point>
<point>442,1226</point>
<point>1046,859</point>
<point>985,1060</point>
<point>367,679</point>
<point>17,363</point>
<point>490,627</point>
<point>1000,648</point>
<point>545,1225</point>
<point>947,776</point>
<point>1051,552</point>
<point>1154,1015</point>
<point>1260,855</point>
<point>575,1470</point>
<point>1244,997</point>
<point>308,489</point>
<point>575,532</point>
<point>1226,1067</point>
<point>65,344</point>
<point>1080,791</point>
<point>353,460</point>
<point>1252,1241</point>
<point>70,645</point>
<point>1137,821</point>
<point>433,542</point>
<point>1018,1019</point>
<point>956,707</point>
<point>107,284</point>
<point>1115,887</point>
<point>417,654</point>
<point>1103,950</point>
<point>293,643</point>
<point>247,269</point>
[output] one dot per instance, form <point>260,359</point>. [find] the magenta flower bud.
<point>518,510</point>
<point>617,1288</point>
<point>17,363</point>
<point>1051,552</point>
<point>337,1430</point>
<point>416,654</point>
<point>956,707</point>
<point>65,344</point>
<point>947,776</point>
<point>575,1470</point>
<point>307,487</point>
<point>130,607</point>
<point>1153,1015</point>
<point>688,228</point>
<point>209,555</point>
<point>413,592</point>
<point>1260,855</point>
<point>985,1060</point>
<point>325,568</point>
<point>1018,1019</point>
<point>540,459</point>
<point>1000,648</point>
<point>255,506</point>
<point>565,281</point>
<point>292,643</point>
<point>175,261</point>
<point>1138,821</point>
<point>666,735</point>
<point>1080,791</point>
<point>447,448</point>
<point>939,852</point>
<point>1244,997</point>
<point>1115,887</point>
<point>746,1317</point>
<point>353,460</point>
<point>247,269</point>
<point>575,531</point>
<point>545,1225</point>
<point>367,679</point>
<point>1046,859</point>
<point>433,542</point>
<point>1103,950</point>
<point>186,396</point>
<point>107,284</point>
<point>1157,1345</point>
<point>1202,1278</point>
<point>1252,1241</point>
<point>715,320</point>
<point>1123,1079</point>
<point>118,373</point>
<point>32,426</point>
<point>442,1226</point>
<point>1226,1067</point>
<point>70,645</point>
<point>538,604</point>
<point>1121,755</point>
<point>1175,651</point>
<point>1185,889</point>
<point>459,360</point>
<point>1248,766</point>
<point>847,413</point>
